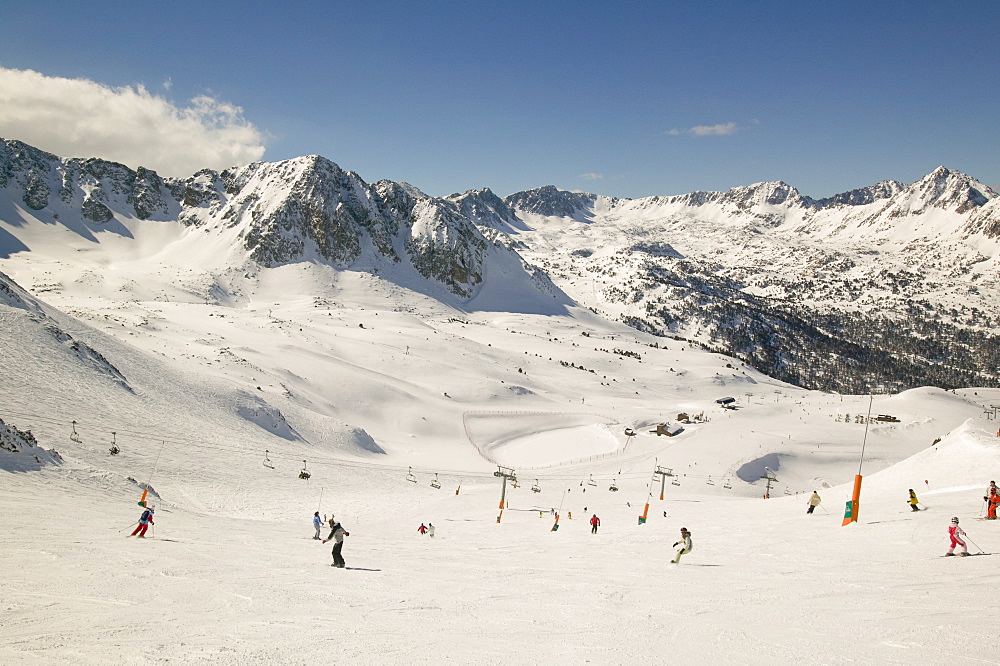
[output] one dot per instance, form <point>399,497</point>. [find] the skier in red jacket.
<point>595,522</point>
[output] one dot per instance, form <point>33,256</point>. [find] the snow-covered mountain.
<point>262,215</point>
<point>887,286</point>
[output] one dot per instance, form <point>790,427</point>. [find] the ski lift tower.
<point>504,473</point>
<point>771,478</point>
<point>663,473</point>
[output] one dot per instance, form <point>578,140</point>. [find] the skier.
<point>956,533</point>
<point>914,501</point>
<point>430,529</point>
<point>813,502</point>
<point>422,529</point>
<point>144,522</point>
<point>992,500</point>
<point>318,524</point>
<point>337,533</point>
<point>595,522</point>
<point>683,545</point>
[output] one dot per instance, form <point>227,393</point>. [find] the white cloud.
<point>83,118</point>
<point>592,176</point>
<point>721,129</point>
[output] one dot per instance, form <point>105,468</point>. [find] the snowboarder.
<point>683,545</point>
<point>144,522</point>
<point>430,529</point>
<point>956,533</point>
<point>595,522</point>
<point>992,500</point>
<point>337,533</point>
<point>914,501</point>
<point>318,524</point>
<point>422,529</point>
<point>813,502</point>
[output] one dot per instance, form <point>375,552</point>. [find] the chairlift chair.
<point>114,450</point>
<point>727,485</point>
<point>74,436</point>
<point>614,486</point>
<point>591,482</point>
<point>410,477</point>
<point>304,474</point>
<point>435,483</point>
<point>535,488</point>
<point>710,482</point>
<point>675,482</point>
<point>267,461</point>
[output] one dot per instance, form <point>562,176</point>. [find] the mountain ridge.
<point>760,272</point>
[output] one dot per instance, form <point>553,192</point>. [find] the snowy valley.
<point>283,338</point>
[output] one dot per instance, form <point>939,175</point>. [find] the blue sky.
<point>626,99</point>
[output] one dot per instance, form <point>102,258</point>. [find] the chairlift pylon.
<point>74,436</point>
<point>435,483</point>
<point>410,477</point>
<point>267,461</point>
<point>304,474</point>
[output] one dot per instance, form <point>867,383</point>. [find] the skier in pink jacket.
<point>956,533</point>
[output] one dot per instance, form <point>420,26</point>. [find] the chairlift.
<point>74,436</point>
<point>710,482</point>
<point>591,482</point>
<point>267,461</point>
<point>435,483</point>
<point>727,485</point>
<point>535,488</point>
<point>675,482</point>
<point>787,491</point>
<point>304,474</point>
<point>114,450</point>
<point>614,486</point>
<point>410,477</point>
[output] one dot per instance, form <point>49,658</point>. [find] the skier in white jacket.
<point>683,545</point>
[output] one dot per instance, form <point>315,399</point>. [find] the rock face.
<point>300,209</point>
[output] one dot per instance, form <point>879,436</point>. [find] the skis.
<point>966,555</point>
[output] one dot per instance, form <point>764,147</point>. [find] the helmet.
<point>954,520</point>
<point>684,529</point>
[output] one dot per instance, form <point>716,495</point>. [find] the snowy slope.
<point>221,377</point>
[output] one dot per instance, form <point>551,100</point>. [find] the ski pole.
<point>973,543</point>
<point>128,526</point>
